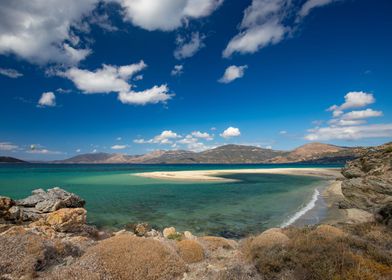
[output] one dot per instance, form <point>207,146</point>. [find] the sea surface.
<point>115,197</point>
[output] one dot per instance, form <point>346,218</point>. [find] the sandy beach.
<point>213,175</point>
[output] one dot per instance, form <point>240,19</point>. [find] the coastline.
<point>214,175</point>
<point>320,209</point>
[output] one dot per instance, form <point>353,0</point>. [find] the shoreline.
<point>320,209</point>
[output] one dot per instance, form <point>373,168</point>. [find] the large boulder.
<point>51,200</point>
<point>66,219</point>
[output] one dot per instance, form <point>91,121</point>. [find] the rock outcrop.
<point>368,183</point>
<point>38,205</point>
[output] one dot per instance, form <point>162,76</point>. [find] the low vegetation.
<point>360,252</point>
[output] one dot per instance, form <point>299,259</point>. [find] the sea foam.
<point>302,211</point>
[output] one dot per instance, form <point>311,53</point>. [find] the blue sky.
<point>132,76</point>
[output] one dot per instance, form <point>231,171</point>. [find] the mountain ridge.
<point>229,154</point>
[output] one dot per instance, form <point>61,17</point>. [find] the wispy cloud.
<point>10,73</point>
<point>189,47</point>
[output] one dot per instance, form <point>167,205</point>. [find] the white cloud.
<point>48,99</point>
<point>232,73</point>
<point>42,32</point>
<point>166,14</point>
<point>116,79</point>
<point>188,49</point>
<point>261,26</point>
<point>231,132</point>
<point>350,132</point>
<point>353,99</point>
<point>177,70</point>
<point>94,151</point>
<point>105,80</point>
<point>311,4</point>
<point>138,78</point>
<point>43,152</point>
<point>363,114</point>
<point>119,138</point>
<point>202,135</point>
<point>153,95</point>
<point>119,147</point>
<point>268,22</point>
<point>166,137</point>
<point>7,146</point>
<point>351,125</point>
<point>283,132</point>
<point>78,150</point>
<point>10,73</point>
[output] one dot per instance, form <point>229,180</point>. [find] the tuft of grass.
<point>176,236</point>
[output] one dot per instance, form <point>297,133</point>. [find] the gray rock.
<point>14,214</point>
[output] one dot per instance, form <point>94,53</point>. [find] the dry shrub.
<point>190,251</point>
<point>213,243</point>
<point>21,255</point>
<point>127,257</point>
<point>314,254</point>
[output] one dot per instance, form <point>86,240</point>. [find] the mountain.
<point>10,160</point>
<point>319,153</point>
<point>310,153</point>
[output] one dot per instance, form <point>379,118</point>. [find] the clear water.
<point>115,197</point>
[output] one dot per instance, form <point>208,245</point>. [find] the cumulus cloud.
<point>42,32</point>
<point>350,132</point>
<point>119,147</point>
<point>353,99</point>
<point>7,146</point>
<point>186,49</point>
<point>232,73</point>
<point>351,125</point>
<point>42,151</point>
<point>230,132</point>
<point>311,4</point>
<point>111,78</point>
<point>105,80</point>
<point>153,95</point>
<point>48,99</point>
<point>166,137</point>
<point>177,70</point>
<point>363,114</point>
<point>10,73</point>
<point>166,15</point>
<point>202,135</point>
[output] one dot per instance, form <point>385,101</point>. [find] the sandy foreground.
<point>213,175</point>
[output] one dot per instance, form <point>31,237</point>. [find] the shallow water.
<point>115,197</point>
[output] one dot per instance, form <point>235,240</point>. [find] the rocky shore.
<point>45,236</point>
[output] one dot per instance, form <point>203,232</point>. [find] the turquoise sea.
<point>115,197</point>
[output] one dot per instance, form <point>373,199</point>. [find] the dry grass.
<point>214,243</point>
<point>328,253</point>
<point>126,257</point>
<point>190,251</point>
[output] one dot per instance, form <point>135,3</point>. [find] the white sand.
<point>213,175</point>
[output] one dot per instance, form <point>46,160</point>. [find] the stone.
<point>51,200</point>
<point>167,232</point>
<point>15,213</point>
<point>189,235</point>
<point>190,251</point>
<point>6,203</point>
<point>67,219</point>
<point>139,229</point>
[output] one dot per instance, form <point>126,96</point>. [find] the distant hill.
<point>309,153</point>
<point>319,153</point>
<point>10,160</point>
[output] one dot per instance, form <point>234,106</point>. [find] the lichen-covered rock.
<point>190,251</point>
<point>139,229</point>
<point>66,219</point>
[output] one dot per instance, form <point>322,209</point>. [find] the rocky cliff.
<point>368,183</point>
